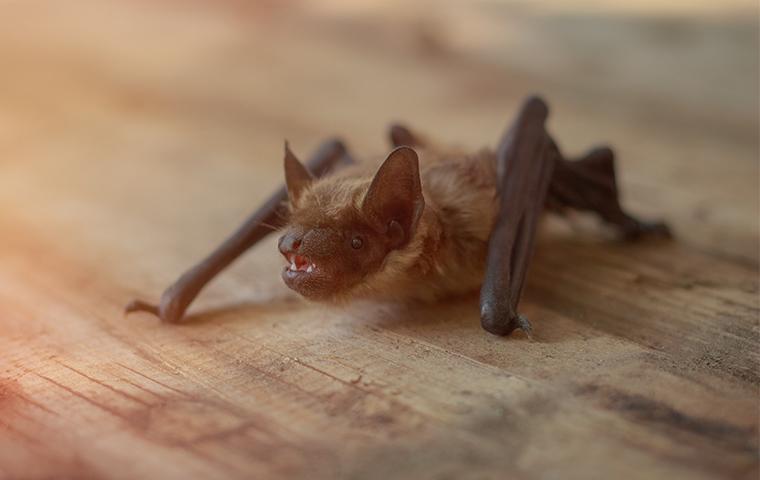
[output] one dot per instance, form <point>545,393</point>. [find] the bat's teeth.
<point>310,269</point>
<point>293,266</point>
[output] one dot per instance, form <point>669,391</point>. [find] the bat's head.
<point>342,228</point>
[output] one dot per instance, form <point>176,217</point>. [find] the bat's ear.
<point>297,177</point>
<point>394,201</point>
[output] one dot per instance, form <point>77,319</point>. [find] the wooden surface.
<point>135,135</point>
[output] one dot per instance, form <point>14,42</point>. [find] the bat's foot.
<point>494,320</point>
<point>170,310</point>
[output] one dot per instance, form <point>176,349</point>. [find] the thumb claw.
<point>140,306</point>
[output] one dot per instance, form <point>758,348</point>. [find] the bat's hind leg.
<point>590,184</point>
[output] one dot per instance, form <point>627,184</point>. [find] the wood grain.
<point>135,135</point>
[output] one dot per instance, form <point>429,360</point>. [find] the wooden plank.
<point>127,152</point>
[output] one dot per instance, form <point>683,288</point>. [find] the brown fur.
<point>443,256</point>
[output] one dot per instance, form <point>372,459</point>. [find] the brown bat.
<point>429,223</point>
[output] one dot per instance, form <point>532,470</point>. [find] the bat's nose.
<point>289,243</point>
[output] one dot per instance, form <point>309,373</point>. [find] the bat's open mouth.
<point>304,276</point>
<point>299,264</point>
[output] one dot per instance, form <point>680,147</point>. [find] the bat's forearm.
<point>525,161</point>
<point>177,297</point>
<point>272,215</point>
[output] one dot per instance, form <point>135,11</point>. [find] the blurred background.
<point>119,112</point>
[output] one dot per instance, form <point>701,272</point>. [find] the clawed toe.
<point>524,325</point>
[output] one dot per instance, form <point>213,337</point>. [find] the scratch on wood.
<point>87,399</point>
<point>103,384</point>
<point>322,372</point>
<point>302,363</point>
<point>37,404</point>
<point>157,382</point>
<point>7,391</point>
<point>140,387</point>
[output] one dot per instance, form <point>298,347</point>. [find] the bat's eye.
<point>356,243</point>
